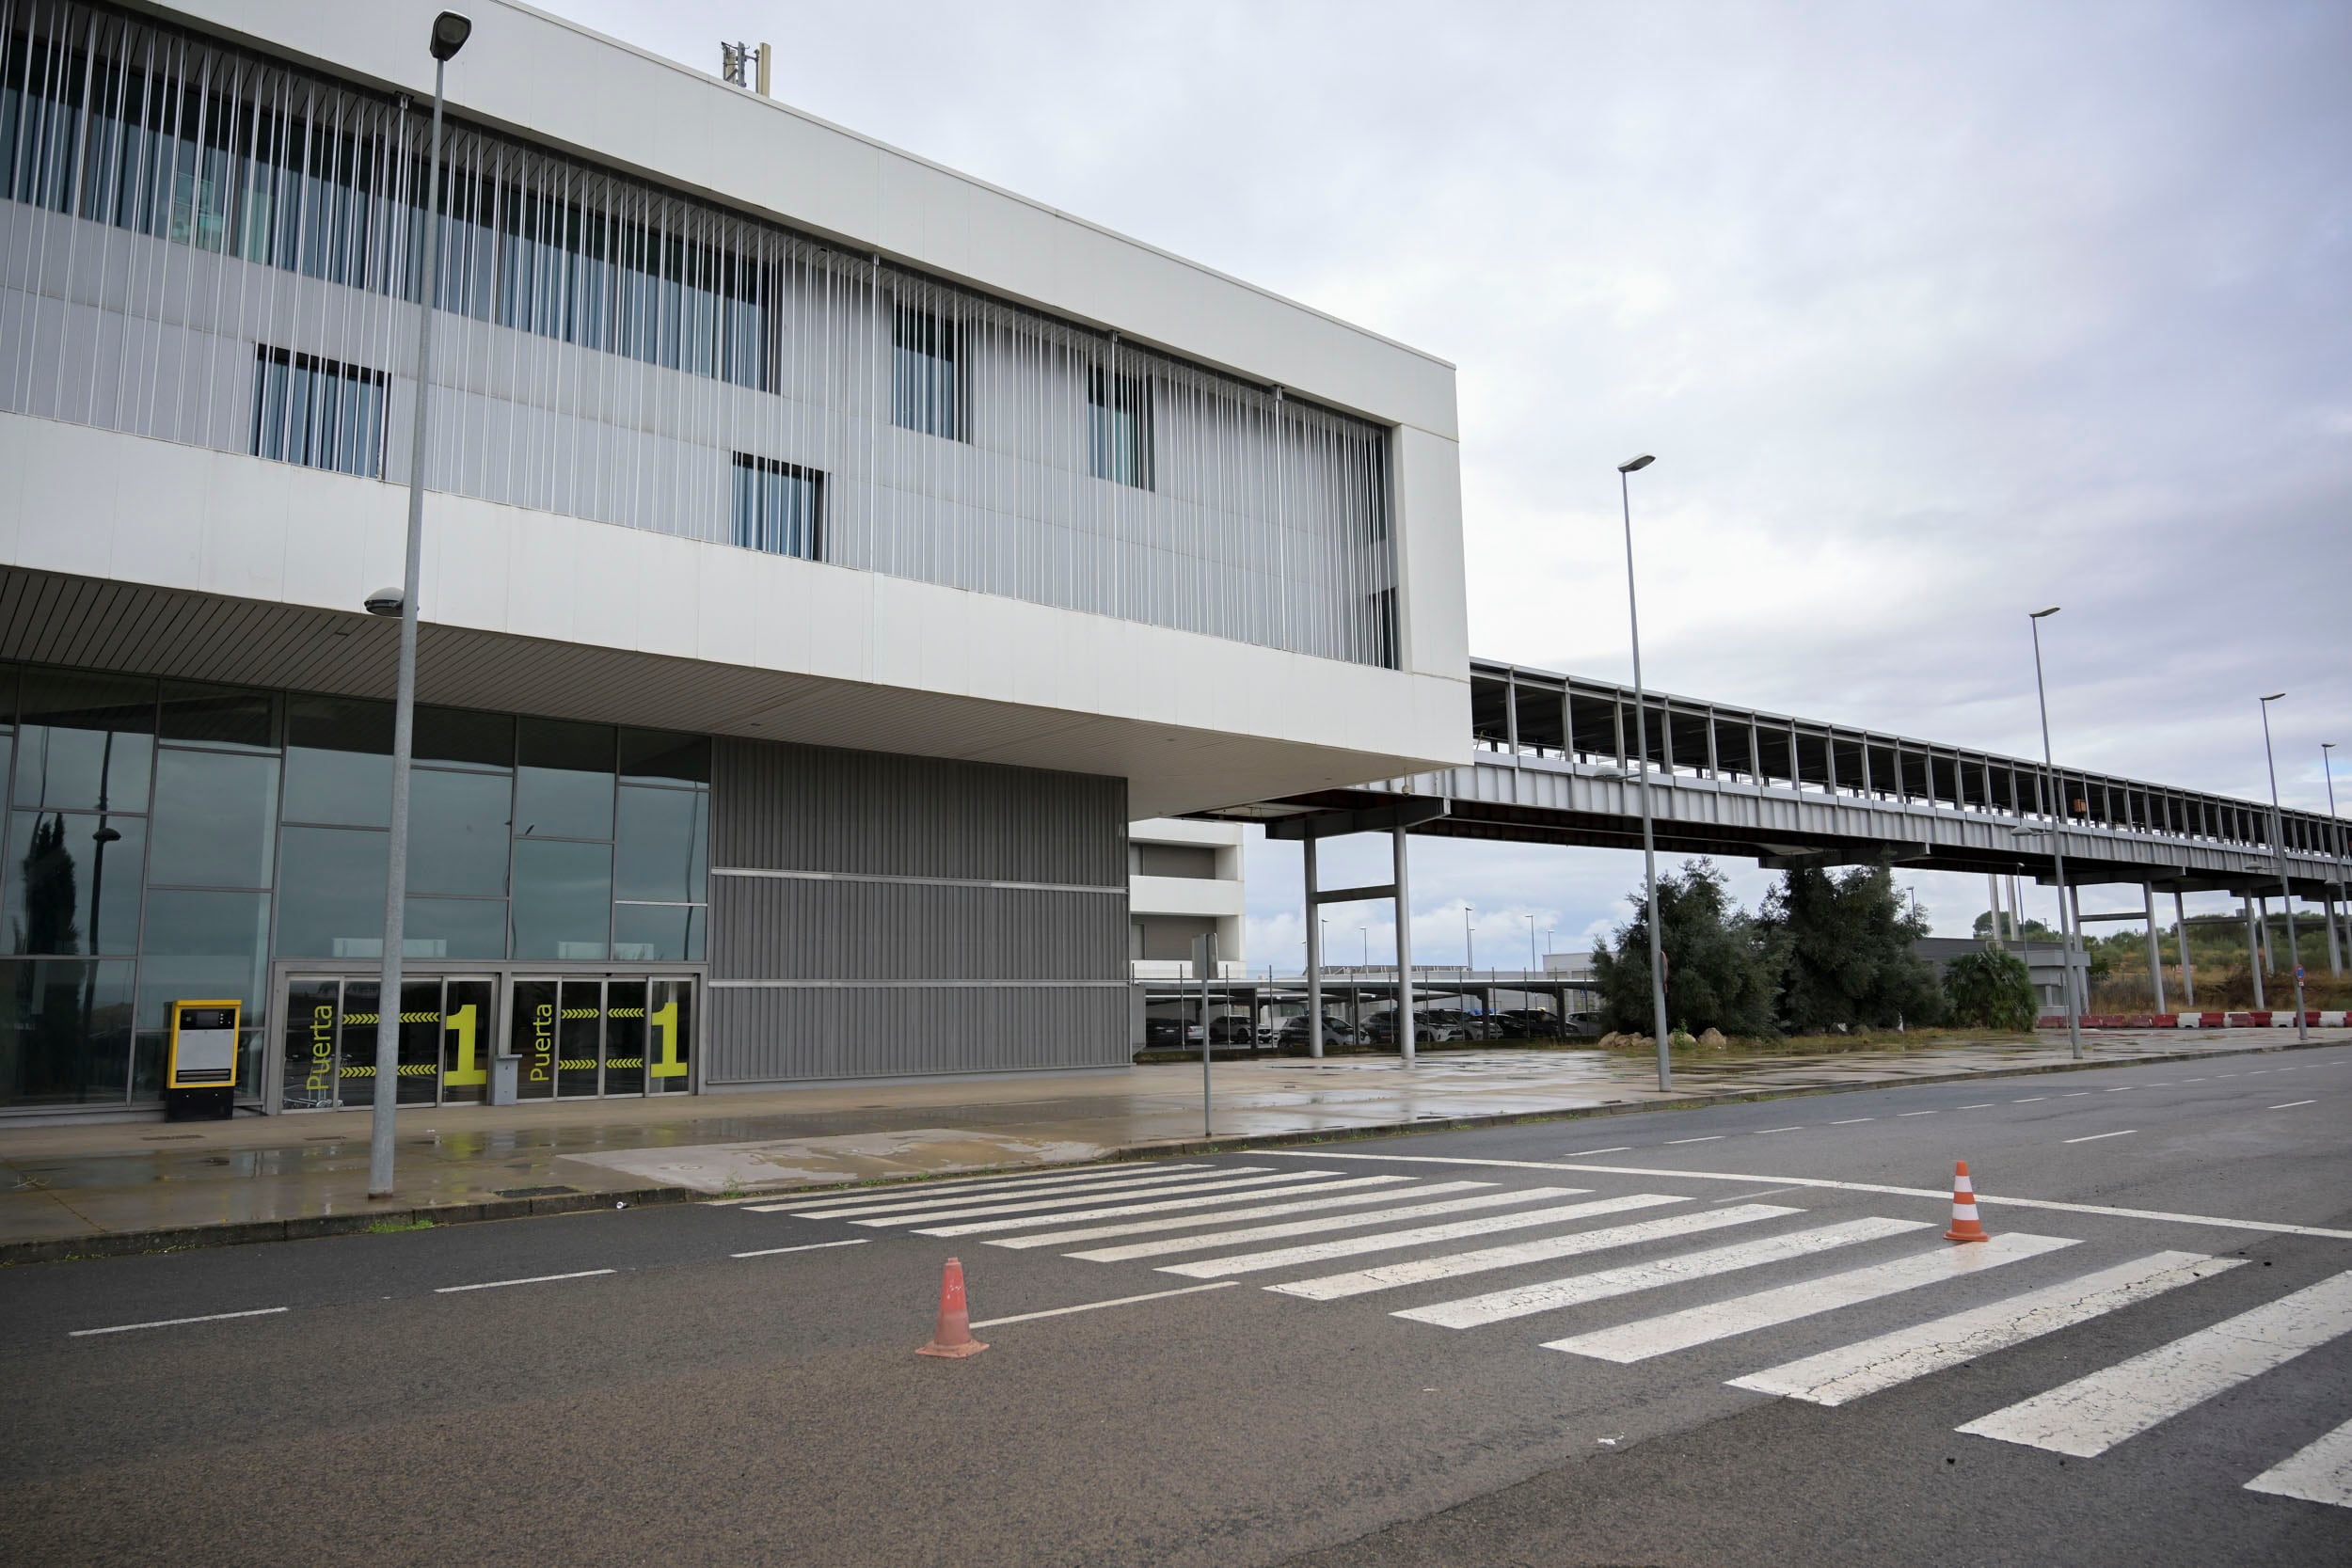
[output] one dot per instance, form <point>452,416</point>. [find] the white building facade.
<point>1184,882</point>
<point>827,555</point>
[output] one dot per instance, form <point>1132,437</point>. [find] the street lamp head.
<point>1635,465</point>
<point>2040,614</point>
<point>385,601</point>
<point>449,32</point>
<point>2274,696</point>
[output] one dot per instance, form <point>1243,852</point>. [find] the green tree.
<point>1844,943</point>
<point>1990,990</point>
<point>1718,973</point>
<point>2032,931</point>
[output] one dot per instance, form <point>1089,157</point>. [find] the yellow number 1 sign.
<point>469,1069</point>
<point>665,1021</point>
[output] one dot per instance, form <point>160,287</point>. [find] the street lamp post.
<point>449,32</point>
<point>1470,949</point>
<point>1365,932</point>
<point>1532,965</point>
<point>1641,750</point>
<point>2286,887</point>
<point>2327,765</point>
<point>2058,843</point>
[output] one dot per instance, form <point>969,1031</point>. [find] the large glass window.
<point>216,812</point>
<point>320,413</point>
<point>339,762</point>
<point>779,507</point>
<point>330,893</point>
<point>666,933</point>
<point>202,944</point>
<point>86,742</point>
<point>665,845</point>
<point>563,900</point>
<point>564,784</point>
<point>1118,428</point>
<point>926,373</point>
<point>73,882</point>
<point>454,929</point>
<point>220,715</point>
<point>65,1031</point>
<point>457,831</point>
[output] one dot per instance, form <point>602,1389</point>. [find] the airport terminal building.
<point>827,555</point>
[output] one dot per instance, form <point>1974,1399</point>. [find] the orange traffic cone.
<point>1966,1225</point>
<point>952,1335</point>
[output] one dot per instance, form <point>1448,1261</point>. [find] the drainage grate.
<point>533,1191</point>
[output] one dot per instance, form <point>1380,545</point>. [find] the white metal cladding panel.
<point>770,1035</point>
<point>781,928</point>
<point>606,350</point>
<point>811,808</point>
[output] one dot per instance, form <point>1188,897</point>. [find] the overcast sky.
<point>1933,314</point>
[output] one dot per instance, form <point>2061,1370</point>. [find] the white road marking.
<point>2076,1095</point>
<point>1116,1210</point>
<point>1579,1154</point>
<point>1098,1305</point>
<point>2029,1099</point>
<point>1939,1194</point>
<point>808,1246</point>
<point>1552,1294</point>
<point>2094,1413</point>
<point>1696,1325</point>
<point>1356,1282</point>
<point>1390,1241</point>
<point>2094,1138</point>
<point>2124,1089</point>
<point>1793,1127</point>
<point>933,1212</point>
<point>1067,1176</point>
<point>1183,1221</point>
<point>2293,1103</point>
<point>1901,1114</point>
<point>1314,1227</point>
<point>899,1203</point>
<point>1849,1371</point>
<point>2192,1079</point>
<point>534,1279</point>
<point>1711,1138</point>
<point>2321,1473</point>
<point>1980,1105</point>
<point>1851,1121</point>
<point>1742,1198</point>
<point>175,1323</point>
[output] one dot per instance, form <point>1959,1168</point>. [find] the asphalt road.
<point>629,1387</point>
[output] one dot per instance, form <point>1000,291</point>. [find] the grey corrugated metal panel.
<point>779,928</point>
<point>808,808</point>
<point>773,1035</point>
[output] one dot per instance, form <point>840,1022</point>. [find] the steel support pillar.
<point>2188,973</point>
<point>1314,955</point>
<point>2155,948</point>
<point>2254,952</point>
<point>2270,955</point>
<point>1403,952</point>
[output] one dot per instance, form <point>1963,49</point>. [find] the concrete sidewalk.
<point>135,1186</point>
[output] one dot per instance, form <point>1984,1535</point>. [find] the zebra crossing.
<point>1235,1222</point>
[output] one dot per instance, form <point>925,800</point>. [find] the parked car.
<point>1527,1023</point>
<point>1335,1031</point>
<point>1232,1029</point>
<point>1161,1034</point>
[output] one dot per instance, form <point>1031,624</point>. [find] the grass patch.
<point>393,1227</point>
<point>1830,1045</point>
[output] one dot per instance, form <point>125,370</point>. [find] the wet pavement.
<point>114,1182</point>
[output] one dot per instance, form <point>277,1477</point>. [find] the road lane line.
<point>986,1210</point>
<point>1077,1190</point>
<point>1067,1176</point>
<point>2096,1136</point>
<point>2293,1103</point>
<point>1116,1210</point>
<point>2029,1099</point>
<point>1315,1228</point>
<point>1793,1127</point>
<point>1183,1222</point>
<point>1098,1305</point>
<point>1851,1121</point>
<point>2076,1095</point>
<point>1698,1325</point>
<point>1711,1138</point>
<point>1980,1105</point>
<point>1356,1282</point>
<point>1939,1194</point>
<point>2125,1088</point>
<point>2094,1413</point>
<point>807,1246</point>
<point>1552,1294</point>
<point>1901,1114</point>
<point>175,1323</point>
<point>534,1279</point>
<point>1867,1366</point>
<point>1390,1241</point>
<point>1580,1153</point>
<point>2320,1473</point>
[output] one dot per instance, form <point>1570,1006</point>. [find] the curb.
<point>301,1227</point>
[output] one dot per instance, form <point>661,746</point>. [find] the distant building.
<point>1184,882</point>
<point>2041,962</point>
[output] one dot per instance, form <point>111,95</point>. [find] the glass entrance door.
<point>330,1044</point>
<point>601,1035</point>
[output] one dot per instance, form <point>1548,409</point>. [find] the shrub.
<point>1990,990</point>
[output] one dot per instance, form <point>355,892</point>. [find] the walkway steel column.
<point>2188,973</point>
<point>1314,956</point>
<point>2057,850</point>
<point>1641,748</point>
<point>2254,952</point>
<point>2271,954</point>
<point>2335,853</point>
<point>449,35</point>
<point>1404,953</point>
<point>2286,888</point>
<point>2155,948</point>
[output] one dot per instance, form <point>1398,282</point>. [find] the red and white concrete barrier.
<point>2273,1019</point>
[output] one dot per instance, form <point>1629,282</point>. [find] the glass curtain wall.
<point>184,228</point>
<point>164,840</point>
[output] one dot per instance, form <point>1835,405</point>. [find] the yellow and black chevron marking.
<point>408,1070</point>
<point>625,1061</point>
<point>582,1063</point>
<point>405,1018</point>
<point>625,1012</point>
<point>579,1012</point>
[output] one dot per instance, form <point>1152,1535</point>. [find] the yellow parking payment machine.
<point>200,1081</point>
